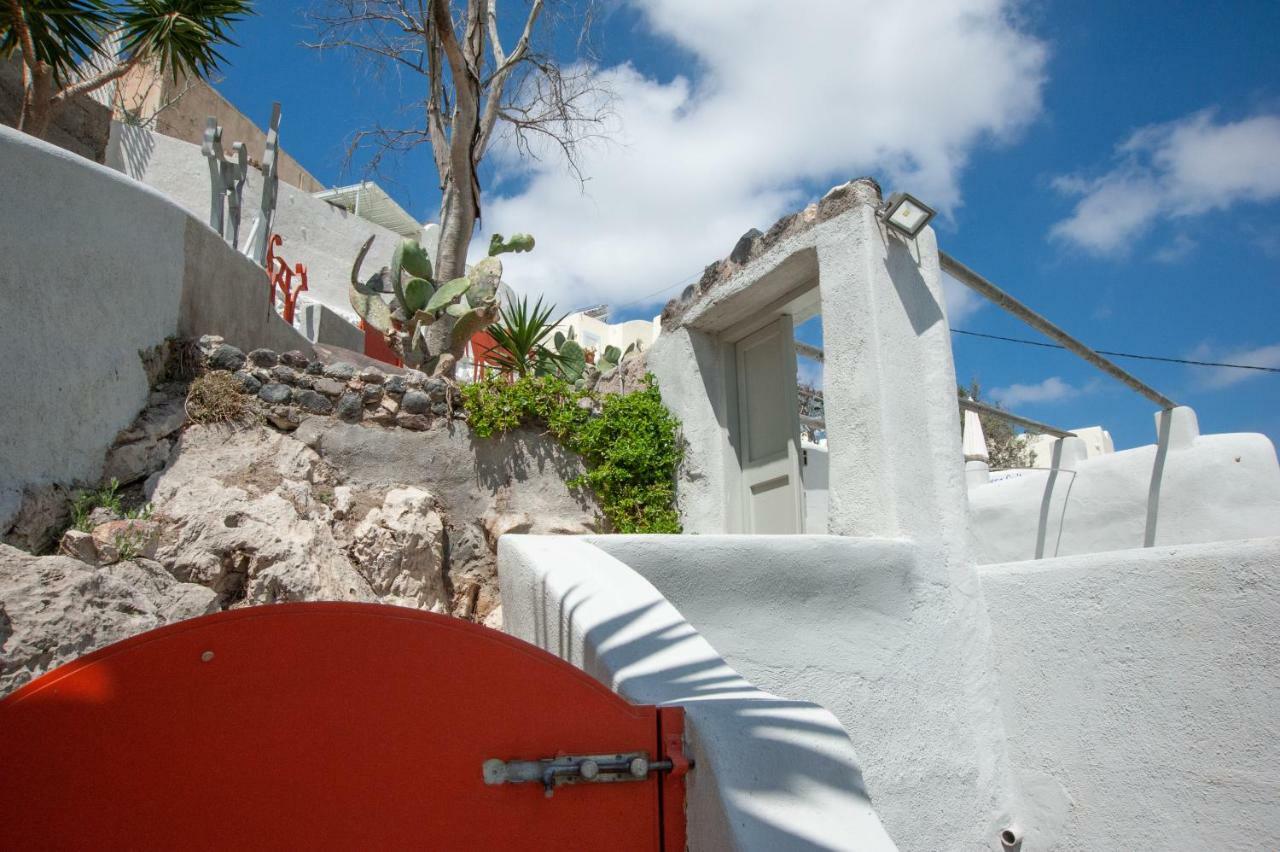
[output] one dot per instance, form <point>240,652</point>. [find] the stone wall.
<point>81,125</point>
<point>330,482</point>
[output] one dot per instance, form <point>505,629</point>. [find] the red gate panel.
<point>322,725</point>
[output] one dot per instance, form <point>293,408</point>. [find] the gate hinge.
<point>553,772</point>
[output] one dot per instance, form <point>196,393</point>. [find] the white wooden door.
<point>769,421</point>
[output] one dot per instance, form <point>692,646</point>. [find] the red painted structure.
<point>325,726</point>
<point>281,276</point>
<point>484,353</point>
<point>375,346</point>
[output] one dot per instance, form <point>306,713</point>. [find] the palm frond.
<point>64,33</point>
<point>182,36</point>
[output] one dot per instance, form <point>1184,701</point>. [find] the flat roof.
<point>370,201</point>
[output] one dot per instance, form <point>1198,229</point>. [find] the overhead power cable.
<point>688,279</point>
<point>1044,345</point>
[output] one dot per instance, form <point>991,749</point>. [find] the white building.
<point>595,332</point>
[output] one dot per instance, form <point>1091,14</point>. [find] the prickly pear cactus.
<point>419,301</point>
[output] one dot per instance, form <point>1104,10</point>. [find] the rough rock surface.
<point>54,608</point>
<point>297,506</point>
<point>240,514</point>
<point>399,548</point>
<point>42,512</point>
<point>626,377</point>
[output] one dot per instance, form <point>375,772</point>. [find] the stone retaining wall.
<point>289,386</point>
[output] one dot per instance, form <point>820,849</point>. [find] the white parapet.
<point>771,773</point>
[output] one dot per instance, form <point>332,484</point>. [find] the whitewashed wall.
<point>96,268</point>
<point>1141,695</point>
<point>1207,488</point>
<point>316,234</point>
<point>772,772</point>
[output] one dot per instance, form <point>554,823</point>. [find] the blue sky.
<point>1114,165</point>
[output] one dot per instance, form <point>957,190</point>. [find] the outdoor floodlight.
<point>906,214</point>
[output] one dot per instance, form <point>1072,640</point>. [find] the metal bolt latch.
<point>553,772</point>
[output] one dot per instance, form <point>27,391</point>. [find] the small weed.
<point>130,544</point>
<point>107,497</point>
<point>142,513</point>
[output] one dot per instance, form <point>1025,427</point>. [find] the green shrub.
<point>630,449</point>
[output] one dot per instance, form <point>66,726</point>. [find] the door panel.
<point>769,426</point>
<point>326,726</point>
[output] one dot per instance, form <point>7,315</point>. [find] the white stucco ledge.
<point>771,773</point>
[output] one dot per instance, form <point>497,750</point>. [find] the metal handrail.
<point>1025,422</point>
<point>808,350</point>
<point>985,288</point>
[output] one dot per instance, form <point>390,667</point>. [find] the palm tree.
<point>63,44</point>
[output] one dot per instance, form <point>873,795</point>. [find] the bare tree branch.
<point>469,91</point>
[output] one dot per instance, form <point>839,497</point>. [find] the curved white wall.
<point>1209,488</point>
<point>771,773</point>
<point>97,268</point>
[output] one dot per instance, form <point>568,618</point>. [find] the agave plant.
<point>419,301</point>
<point>522,332</point>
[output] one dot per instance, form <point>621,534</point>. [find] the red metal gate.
<point>325,725</point>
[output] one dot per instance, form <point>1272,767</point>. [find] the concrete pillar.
<point>890,386</point>
<point>977,469</point>
<point>893,430</point>
<point>1183,427</point>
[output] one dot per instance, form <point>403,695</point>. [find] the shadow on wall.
<point>779,733</point>
<point>130,149</point>
<point>919,303</point>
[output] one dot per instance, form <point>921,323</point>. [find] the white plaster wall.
<point>893,436</point>
<point>694,374</point>
<point>856,626</point>
<point>96,268</point>
<point>1141,695</point>
<point>816,475</point>
<point>316,234</point>
<point>597,333</point>
<point>771,773</point>
<point>1097,442</point>
<point>75,307</point>
<point>1213,488</point>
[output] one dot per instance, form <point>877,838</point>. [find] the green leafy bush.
<point>630,449</point>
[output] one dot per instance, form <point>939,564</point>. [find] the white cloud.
<point>1179,249</point>
<point>785,95</point>
<point>1183,168</point>
<point>1051,389</point>
<point>809,372</point>
<point>1214,378</point>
